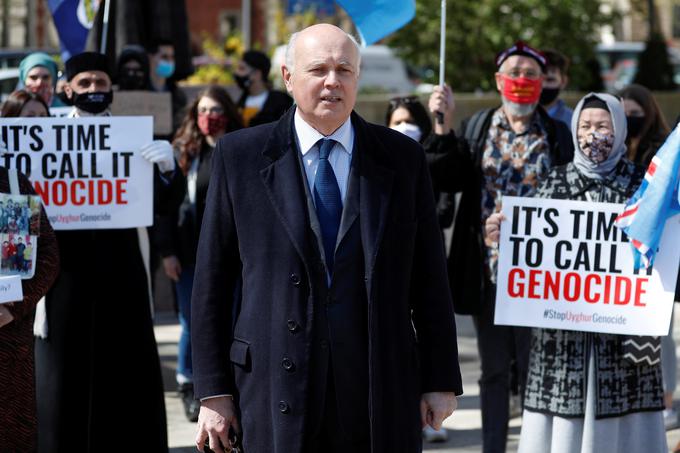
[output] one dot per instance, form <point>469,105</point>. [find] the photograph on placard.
<point>18,254</point>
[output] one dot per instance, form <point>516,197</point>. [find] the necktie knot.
<point>325,147</point>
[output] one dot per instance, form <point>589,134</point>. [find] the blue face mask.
<point>165,68</point>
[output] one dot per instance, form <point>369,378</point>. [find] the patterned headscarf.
<point>586,166</point>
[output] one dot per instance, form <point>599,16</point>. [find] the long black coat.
<point>256,226</point>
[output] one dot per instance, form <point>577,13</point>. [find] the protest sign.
<point>151,103</point>
<point>10,289</point>
<point>563,265</point>
<point>88,171</point>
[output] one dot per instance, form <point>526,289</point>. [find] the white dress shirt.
<point>340,157</point>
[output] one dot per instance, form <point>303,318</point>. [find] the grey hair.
<point>290,50</point>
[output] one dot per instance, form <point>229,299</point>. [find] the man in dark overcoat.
<point>321,314</point>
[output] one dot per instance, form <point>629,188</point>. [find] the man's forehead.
<point>321,50</point>
<point>521,61</point>
<point>92,76</point>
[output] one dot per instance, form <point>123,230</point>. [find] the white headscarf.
<point>586,166</point>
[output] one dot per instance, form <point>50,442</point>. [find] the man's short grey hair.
<point>290,50</point>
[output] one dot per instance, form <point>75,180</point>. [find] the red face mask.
<point>521,90</point>
<point>211,124</point>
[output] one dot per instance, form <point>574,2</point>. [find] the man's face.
<point>88,82</point>
<point>554,79</point>
<point>518,66</point>
<point>325,77</point>
<point>165,52</point>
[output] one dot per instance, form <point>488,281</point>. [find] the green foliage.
<point>478,29</point>
<point>654,68</point>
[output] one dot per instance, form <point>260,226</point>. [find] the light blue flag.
<point>375,19</point>
<point>657,199</point>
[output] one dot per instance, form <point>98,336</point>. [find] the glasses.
<point>211,110</point>
<point>528,73</point>
<point>404,100</point>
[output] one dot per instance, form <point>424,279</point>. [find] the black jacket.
<point>455,165</point>
<point>273,109</point>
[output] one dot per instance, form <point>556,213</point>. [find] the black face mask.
<point>548,95</point>
<point>131,82</point>
<point>635,124</point>
<point>93,102</point>
<point>243,82</point>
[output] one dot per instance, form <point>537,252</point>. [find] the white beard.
<point>516,109</point>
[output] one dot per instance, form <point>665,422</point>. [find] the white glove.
<point>159,152</point>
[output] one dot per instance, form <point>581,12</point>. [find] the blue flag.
<point>73,20</point>
<point>324,7</point>
<point>375,19</point>
<point>656,200</point>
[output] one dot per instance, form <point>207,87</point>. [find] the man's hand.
<point>437,406</point>
<point>172,267</point>
<point>441,101</point>
<point>217,415</point>
<point>159,152</point>
<point>5,316</point>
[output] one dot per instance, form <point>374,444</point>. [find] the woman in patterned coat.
<point>582,394</point>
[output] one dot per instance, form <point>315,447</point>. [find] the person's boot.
<point>191,405</point>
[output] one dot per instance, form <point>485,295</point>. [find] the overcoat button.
<point>292,325</point>
<point>284,408</point>
<point>295,279</point>
<point>287,364</point>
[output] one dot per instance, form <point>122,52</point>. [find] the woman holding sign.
<point>588,392</point>
<point>17,378</point>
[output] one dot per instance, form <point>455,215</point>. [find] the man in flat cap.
<point>499,151</point>
<point>258,103</point>
<point>99,362</point>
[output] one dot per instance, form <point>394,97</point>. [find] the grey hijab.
<point>586,166</point>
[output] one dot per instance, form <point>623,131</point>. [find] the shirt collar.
<point>308,136</point>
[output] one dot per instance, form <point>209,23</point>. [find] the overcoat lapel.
<point>375,189</point>
<point>284,184</point>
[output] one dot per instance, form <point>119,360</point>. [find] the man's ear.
<point>286,74</point>
<point>499,82</point>
<point>565,81</point>
<point>68,90</point>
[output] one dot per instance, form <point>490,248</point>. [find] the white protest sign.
<point>563,265</point>
<point>88,171</point>
<point>10,289</point>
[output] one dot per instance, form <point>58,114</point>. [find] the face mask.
<point>130,82</point>
<point>548,95</point>
<point>211,124</point>
<point>410,130</point>
<point>635,124</point>
<point>521,90</point>
<point>597,147</point>
<point>243,81</point>
<point>93,102</point>
<point>165,68</point>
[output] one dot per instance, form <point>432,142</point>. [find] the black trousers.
<point>498,347</point>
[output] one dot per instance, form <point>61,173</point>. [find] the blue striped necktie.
<point>328,201</point>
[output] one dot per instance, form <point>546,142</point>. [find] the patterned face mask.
<point>596,146</point>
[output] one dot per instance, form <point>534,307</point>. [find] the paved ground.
<point>464,427</point>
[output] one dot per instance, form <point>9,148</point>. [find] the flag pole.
<point>105,26</point>
<point>442,52</point>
